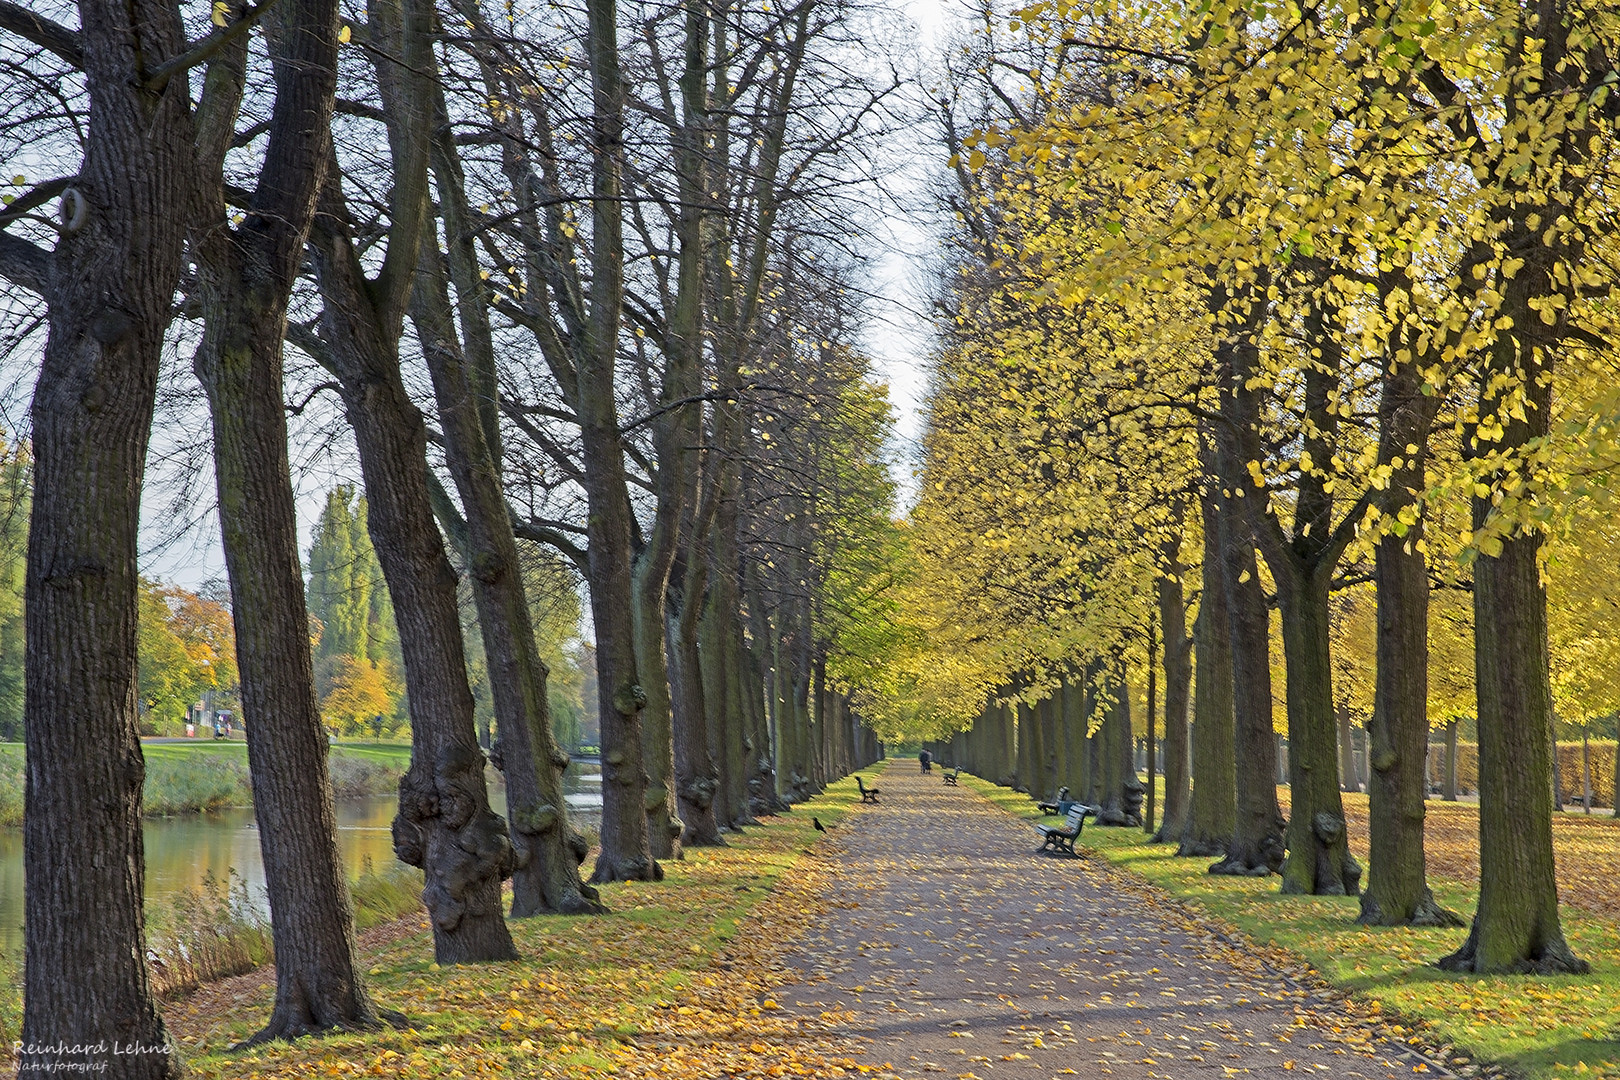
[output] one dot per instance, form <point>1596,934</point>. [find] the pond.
<point>182,851</point>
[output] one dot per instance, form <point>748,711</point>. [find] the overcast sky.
<point>898,338</point>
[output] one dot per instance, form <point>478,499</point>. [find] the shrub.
<point>206,933</point>
<point>1570,772</point>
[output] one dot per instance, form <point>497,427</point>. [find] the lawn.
<point>1537,1027</point>
<point>673,983</point>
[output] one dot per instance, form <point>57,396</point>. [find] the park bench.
<point>1061,806</point>
<point>867,794</point>
<point>1060,839</point>
<point>950,777</point>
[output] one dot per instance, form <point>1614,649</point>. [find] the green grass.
<point>1539,1028</point>
<point>196,777</point>
<point>671,983</point>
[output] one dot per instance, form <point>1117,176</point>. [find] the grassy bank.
<point>1535,1027</point>
<point>193,777</point>
<point>673,983</point>
<point>216,931</point>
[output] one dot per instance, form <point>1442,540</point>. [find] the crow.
<point>817,823</point>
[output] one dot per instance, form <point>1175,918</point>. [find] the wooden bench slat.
<point>1060,839</point>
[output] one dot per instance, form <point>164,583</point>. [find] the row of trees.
<point>1261,308</point>
<point>577,278</point>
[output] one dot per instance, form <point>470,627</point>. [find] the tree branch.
<point>24,264</point>
<point>48,35</point>
<point>206,47</point>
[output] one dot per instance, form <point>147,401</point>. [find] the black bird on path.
<point>817,823</point>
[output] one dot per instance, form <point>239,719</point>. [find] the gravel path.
<point>950,948</point>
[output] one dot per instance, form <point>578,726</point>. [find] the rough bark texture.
<point>1398,734</point>
<point>1516,927</point>
<point>109,287</point>
<point>1319,859</point>
<point>1256,844</point>
<point>246,278</point>
<point>444,823</point>
<point>1177,684</point>
<point>697,777</point>
<point>1212,809</point>
<point>650,582</point>
<point>547,850</point>
<point>626,853</point>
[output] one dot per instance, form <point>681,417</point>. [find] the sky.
<point>898,338</point>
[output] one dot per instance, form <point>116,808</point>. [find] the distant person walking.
<point>927,760</point>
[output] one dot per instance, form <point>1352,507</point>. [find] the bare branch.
<point>45,33</point>
<point>206,46</point>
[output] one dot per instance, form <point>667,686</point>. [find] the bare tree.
<point>246,276</point>
<point>444,823</point>
<point>108,286</point>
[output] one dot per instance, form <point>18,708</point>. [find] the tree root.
<point>1426,913</point>
<point>1200,848</point>
<point>1552,958</point>
<point>1236,867</point>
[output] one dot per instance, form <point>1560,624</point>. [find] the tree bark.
<point>697,777</point>
<point>1516,927</point>
<point>1025,750</point>
<point>1212,810</point>
<point>1348,780</point>
<point>1256,846</point>
<point>109,286</point>
<point>626,853</point>
<point>444,823</point>
<point>246,277</point>
<point>1152,706</point>
<point>547,849</point>
<point>1177,684</point>
<point>1398,735</point>
<point>1319,860</point>
<point>1448,790</point>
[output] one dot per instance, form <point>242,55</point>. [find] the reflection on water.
<point>182,851</point>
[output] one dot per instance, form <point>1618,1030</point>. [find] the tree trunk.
<point>444,823</point>
<point>1006,746</point>
<point>1212,810</point>
<point>650,583</point>
<point>1516,928</point>
<point>1072,734</point>
<point>1025,749</point>
<point>626,853</point>
<point>1044,732</point>
<point>246,276</point>
<point>109,287</point>
<point>1256,846</point>
<point>547,849</point>
<point>1319,860</point>
<point>1448,790</point>
<point>697,779</point>
<point>1398,735</point>
<point>1348,781</point>
<point>1148,741</point>
<point>1177,684</point>
<point>1397,887</point>
<point>319,985</point>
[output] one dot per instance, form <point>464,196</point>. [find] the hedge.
<point>1569,770</point>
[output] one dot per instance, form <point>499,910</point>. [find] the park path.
<point>947,947</point>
